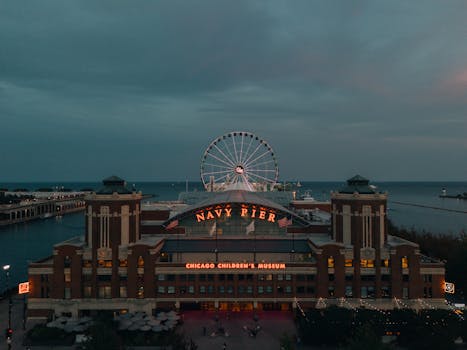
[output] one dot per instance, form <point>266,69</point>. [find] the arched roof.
<point>239,197</point>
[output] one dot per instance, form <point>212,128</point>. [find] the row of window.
<point>369,262</point>
<point>365,291</point>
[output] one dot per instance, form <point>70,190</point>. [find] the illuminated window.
<point>164,257</point>
<point>67,276</point>
<point>161,277</point>
<point>348,291</point>
<point>123,263</point>
<point>260,290</point>
<point>161,289</point>
<point>288,277</point>
<point>191,289</point>
<point>87,291</point>
<point>105,292</point>
<point>108,263</point>
<point>367,263</point>
<point>288,289</point>
<point>280,277</point>
<point>101,263</point>
<point>140,293</point>
<point>348,262</point>
<point>170,290</point>
<point>87,263</point>
<point>330,262</point>
<point>123,292</point>
<point>268,289</point>
<point>405,262</point>
<point>202,289</point>
<point>140,261</point>
<point>269,277</point>
<point>385,263</point>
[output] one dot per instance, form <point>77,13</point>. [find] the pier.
<point>39,205</point>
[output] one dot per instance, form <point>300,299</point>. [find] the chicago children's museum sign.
<point>244,210</point>
<point>236,266</point>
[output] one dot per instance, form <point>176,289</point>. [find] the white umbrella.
<point>145,328</point>
<point>161,316</point>
<point>154,322</point>
<point>156,329</point>
<point>133,327</point>
<point>174,317</point>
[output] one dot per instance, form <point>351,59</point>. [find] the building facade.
<point>234,250</point>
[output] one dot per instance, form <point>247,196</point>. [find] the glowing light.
<point>23,288</point>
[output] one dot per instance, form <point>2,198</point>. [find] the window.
<point>386,278</point>
<point>67,261</point>
<point>310,278</point>
<point>123,263</point>
<point>87,291</point>
<point>427,278</point>
<point>405,262</point>
<point>260,289</point>
<point>348,262</point>
<point>211,278</point>
<point>300,289</point>
<point>221,289</point>
<point>300,277</point>
<point>371,292</point>
<point>367,263</point>
<point>191,289</point>
<point>221,277</point>
<point>164,257</point>
<point>170,277</point>
<point>230,289</point>
<point>210,289</point>
<point>105,292</point>
<point>140,261</point>
<point>386,292</point>
<point>331,291</point>
<point>249,277</point>
<point>123,292</point>
<point>280,290</point>
<point>280,277</point>
<point>191,278</point>
<point>170,290</point>
<point>348,291</point>
<point>348,277</point>
<point>241,289</point>
<point>202,289</point>
<point>310,290</point>
<point>68,276</point>
<point>331,277</point>
<point>182,289</point>
<point>140,293</point>
<point>368,278</point>
<point>230,277</point>
<point>202,277</point>
<point>241,277</point>
<point>385,263</point>
<point>364,292</point>
<point>269,277</point>
<point>67,293</point>
<point>427,292</point>
<point>331,262</point>
<point>249,290</point>
<point>161,277</point>
<point>261,277</point>
<point>288,289</point>
<point>182,277</point>
<point>288,277</point>
<point>87,263</point>
<point>161,289</point>
<point>405,278</point>
<point>268,289</point>
<point>405,293</point>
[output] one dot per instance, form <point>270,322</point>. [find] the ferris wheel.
<point>239,160</point>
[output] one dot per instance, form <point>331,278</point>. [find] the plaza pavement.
<point>272,325</point>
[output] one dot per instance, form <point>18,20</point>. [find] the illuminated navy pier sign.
<point>237,266</point>
<point>245,211</point>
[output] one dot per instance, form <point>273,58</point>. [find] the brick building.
<point>234,250</point>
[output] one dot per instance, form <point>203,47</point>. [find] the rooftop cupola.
<point>358,184</point>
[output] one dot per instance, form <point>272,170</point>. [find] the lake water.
<point>34,240</point>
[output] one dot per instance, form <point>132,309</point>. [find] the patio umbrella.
<point>156,329</point>
<point>133,327</point>
<point>145,328</point>
<point>154,322</point>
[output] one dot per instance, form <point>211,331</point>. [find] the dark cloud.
<point>93,88</point>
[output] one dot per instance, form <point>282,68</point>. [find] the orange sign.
<point>236,266</point>
<point>245,211</point>
<point>23,288</point>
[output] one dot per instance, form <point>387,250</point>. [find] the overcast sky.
<point>140,88</point>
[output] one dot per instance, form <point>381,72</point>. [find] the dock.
<point>38,205</point>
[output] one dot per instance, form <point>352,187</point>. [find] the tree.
<point>365,338</point>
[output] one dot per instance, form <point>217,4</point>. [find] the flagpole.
<point>216,251</point>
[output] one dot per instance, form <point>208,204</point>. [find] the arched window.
<point>140,261</point>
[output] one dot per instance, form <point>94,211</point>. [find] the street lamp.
<point>6,268</point>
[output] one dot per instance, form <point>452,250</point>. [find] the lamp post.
<point>6,268</point>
